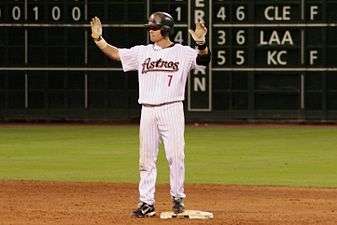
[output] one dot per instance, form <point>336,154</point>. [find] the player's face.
<point>155,34</point>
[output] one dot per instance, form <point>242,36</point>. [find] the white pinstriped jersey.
<point>162,73</point>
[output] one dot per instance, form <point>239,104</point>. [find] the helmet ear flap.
<point>166,30</point>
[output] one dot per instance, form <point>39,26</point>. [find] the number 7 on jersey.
<point>170,79</point>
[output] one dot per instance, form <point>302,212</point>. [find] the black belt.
<point>151,105</point>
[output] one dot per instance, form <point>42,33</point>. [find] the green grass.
<point>294,156</point>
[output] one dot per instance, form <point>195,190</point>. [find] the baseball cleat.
<point>178,205</point>
<point>143,210</point>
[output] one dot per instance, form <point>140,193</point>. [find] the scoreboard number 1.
<point>36,13</point>
<point>178,10</point>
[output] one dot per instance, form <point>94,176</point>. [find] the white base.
<point>188,214</point>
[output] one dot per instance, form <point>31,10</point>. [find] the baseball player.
<point>162,68</point>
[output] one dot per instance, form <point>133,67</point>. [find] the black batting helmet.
<point>162,21</point>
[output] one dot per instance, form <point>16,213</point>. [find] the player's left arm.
<point>199,36</point>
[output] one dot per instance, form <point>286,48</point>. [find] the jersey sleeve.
<point>192,53</point>
<point>129,58</point>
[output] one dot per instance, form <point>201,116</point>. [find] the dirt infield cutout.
<point>32,203</point>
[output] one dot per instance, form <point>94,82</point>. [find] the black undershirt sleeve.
<point>204,59</point>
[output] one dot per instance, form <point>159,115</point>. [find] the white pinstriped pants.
<point>166,123</point>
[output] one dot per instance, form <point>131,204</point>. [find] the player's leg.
<point>171,127</point>
<point>148,151</point>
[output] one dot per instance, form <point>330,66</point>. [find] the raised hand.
<point>96,28</point>
<point>199,35</point>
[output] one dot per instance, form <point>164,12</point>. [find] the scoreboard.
<point>266,54</point>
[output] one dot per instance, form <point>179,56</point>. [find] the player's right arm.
<point>96,33</point>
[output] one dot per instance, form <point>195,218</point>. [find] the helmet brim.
<point>152,26</point>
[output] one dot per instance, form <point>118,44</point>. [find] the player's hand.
<point>199,35</point>
<point>96,28</point>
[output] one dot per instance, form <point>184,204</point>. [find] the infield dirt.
<point>33,203</point>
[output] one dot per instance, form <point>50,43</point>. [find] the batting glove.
<point>199,35</point>
<point>96,28</point>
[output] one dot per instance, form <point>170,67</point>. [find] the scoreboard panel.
<point>267,55</point>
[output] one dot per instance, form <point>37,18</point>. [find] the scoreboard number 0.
<point>76,13</point>
<point>56,13</point>
<point>16,13</point>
